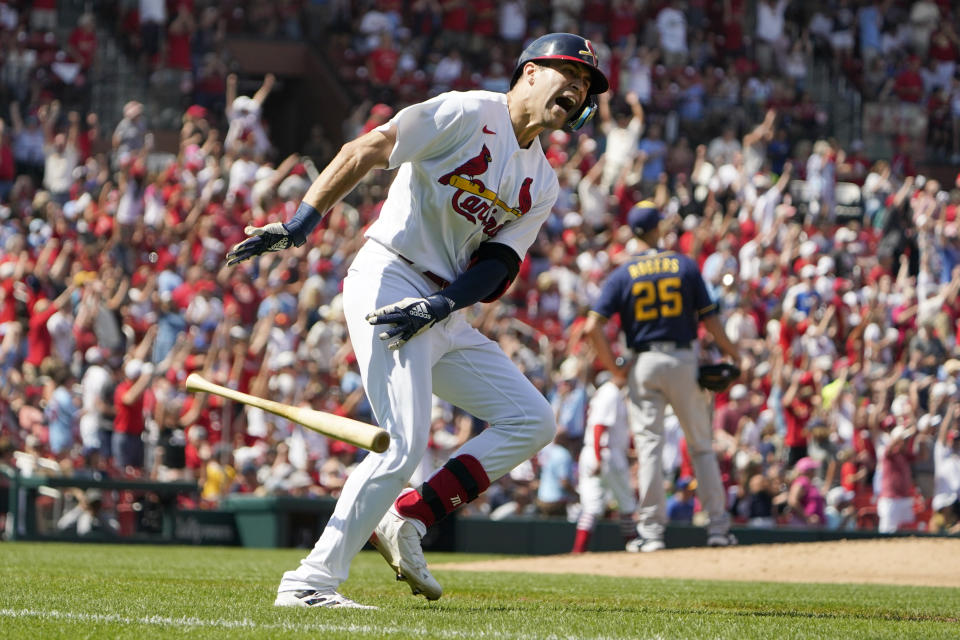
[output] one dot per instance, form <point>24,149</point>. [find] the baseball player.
<point>603,463</point>
<point>661,297</point>
<point>472,190</point>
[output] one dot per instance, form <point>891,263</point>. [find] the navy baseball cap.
<point>643,217</point>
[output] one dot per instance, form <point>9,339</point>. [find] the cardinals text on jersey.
<point>462,179</point>
<point>474,201</point>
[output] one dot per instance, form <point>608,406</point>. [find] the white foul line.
<point>190,622</point>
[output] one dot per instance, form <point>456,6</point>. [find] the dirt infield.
<point>933,562</point>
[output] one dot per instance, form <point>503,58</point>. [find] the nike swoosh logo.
<point>485,130</point>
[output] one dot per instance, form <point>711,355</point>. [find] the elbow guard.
<point>506,256</point>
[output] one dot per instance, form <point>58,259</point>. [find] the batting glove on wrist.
<point>409,317</point>
<point>272,237</point>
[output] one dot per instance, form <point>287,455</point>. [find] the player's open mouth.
<point>566,103</point>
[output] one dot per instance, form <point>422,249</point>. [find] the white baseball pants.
<point>597,479</point>
<point>452,360</point>
<point>892,513</point>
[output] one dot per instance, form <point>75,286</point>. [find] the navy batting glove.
<point>272,237</point>
<point>276,236</point>
<point>302,223</point>
<point>409,317</point>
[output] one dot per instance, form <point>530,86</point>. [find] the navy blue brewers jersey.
<point>660,295</point>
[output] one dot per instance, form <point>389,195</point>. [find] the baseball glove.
<point>717,376</point>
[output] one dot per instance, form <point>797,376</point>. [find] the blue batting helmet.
<point>568,46</point>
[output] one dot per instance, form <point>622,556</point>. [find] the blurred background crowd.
<point>779,138</point>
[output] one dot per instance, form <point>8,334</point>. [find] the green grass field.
<point>104,591</point>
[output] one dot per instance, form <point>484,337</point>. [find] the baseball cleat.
<point>398,542</point>
<point>721,540</point>
<point>638,545</point>
<point>313,598</point>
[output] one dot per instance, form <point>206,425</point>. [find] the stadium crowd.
<point>113,289</point>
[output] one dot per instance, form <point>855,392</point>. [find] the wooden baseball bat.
<point>354,432</point>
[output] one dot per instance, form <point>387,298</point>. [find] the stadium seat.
<point>126,515</point>
<point>865,504</point>
<point>867,518</point>
<point>798,194</point>
<point>849,203</point>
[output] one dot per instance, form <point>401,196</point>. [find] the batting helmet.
<point>568,46</point>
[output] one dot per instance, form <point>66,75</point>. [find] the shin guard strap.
<point>472,485</point>
<point>460,480</point>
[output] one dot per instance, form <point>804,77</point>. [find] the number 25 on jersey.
<point>657,298</point>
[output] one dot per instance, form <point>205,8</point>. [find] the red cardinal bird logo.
<point>473,167</point>
<point>524,202</point>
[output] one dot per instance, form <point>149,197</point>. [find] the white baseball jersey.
<point>608,407</point>
<point>463,180</point>
<point>611,474</point>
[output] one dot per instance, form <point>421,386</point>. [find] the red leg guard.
<point>410,504</point>
<point>459,481</point>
